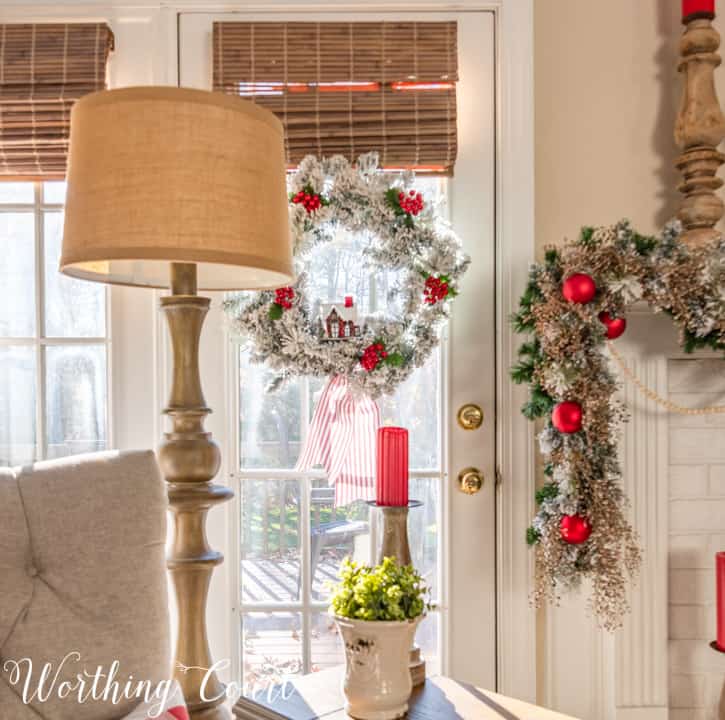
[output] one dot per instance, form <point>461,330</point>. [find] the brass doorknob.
<point>470,416</point>
<point>470,480</point>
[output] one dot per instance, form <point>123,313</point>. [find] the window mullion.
<point>40,360</point>
<point>305,533</point>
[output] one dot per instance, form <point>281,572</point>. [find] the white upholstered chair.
<point>82,571</point>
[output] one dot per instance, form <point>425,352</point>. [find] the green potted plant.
<point>377,611</point>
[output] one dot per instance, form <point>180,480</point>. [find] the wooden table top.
<point>319,696</point>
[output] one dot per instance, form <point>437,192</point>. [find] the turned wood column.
<point>189,461</point>
<point>699,130</point>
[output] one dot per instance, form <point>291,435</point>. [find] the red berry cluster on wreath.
<point>310,201</point>
<point>372,356</point>
<point>412,203</point>
<point>283,297</point>
<point>435,290</point>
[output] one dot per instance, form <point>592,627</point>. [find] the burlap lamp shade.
<point>163,174</point>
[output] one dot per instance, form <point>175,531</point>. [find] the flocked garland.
<point>406,234</point>
<point>575,301</point>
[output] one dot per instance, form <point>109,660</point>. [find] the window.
<point>53,336</point>
<point>292,537</point>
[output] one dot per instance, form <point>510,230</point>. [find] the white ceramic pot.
<point>377,681</point>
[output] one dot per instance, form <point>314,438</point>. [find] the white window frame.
<point>144,54</point>
<point>40,341</point>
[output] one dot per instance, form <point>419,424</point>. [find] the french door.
<point>286,535</point>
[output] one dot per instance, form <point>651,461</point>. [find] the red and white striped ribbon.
<point>342,439</point>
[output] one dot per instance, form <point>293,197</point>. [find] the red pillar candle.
<point>720,566</point>
<point>699,8</point>
<point>392,475</point>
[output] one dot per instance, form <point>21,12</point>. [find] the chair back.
<point>82,584</point>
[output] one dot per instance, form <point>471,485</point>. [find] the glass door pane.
<point>18,432</point>
<point>17,274</point>
<point>272,649</point>
<point>76,399</point>
<point>73,308</point>
<point>271,568</point>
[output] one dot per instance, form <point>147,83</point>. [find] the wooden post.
<point>699,130</point>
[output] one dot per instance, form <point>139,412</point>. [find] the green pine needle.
<point>395,359</point>
<point>692,342</point>
<point>586,236</point>
<point>644,244</point>
<point>522,373</point>
<point>540,404</point>
<point>532,348</point>
<point>532,536</point>
<point>551,257</point>
<point>391,195</point>
<point>547,492</point>
<point>275,312</point>
<point>523,323</point>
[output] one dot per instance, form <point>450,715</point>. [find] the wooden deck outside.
<point>275,578</point>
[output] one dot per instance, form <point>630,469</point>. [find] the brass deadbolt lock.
<point>470,416</point>
<point>470,480</point>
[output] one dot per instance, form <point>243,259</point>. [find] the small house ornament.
<point>339,320</point>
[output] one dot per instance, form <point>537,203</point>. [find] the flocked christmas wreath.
<point>574,304</point>
<point>298,335</point>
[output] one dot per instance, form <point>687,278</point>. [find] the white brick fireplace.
<point>696,533</point>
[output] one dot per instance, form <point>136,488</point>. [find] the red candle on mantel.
<point>720,566</point>
<point>392,476</point>
<point>702,8</point>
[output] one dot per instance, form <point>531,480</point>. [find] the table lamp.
<point>170,187</point>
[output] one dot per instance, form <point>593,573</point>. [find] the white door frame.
<point>149,26</point>
<point>466,618</point>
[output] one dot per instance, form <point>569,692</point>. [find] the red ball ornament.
<point>579,288</point>
<point>615,326</point>
<point>567,417</point>
<point>574,529</point>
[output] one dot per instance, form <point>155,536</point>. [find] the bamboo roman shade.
<point>44,69</point>
<point>349,87</point>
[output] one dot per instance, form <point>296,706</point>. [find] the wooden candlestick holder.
<point>395,544</point>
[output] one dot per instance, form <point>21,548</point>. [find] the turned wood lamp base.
<point>189,461</point>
